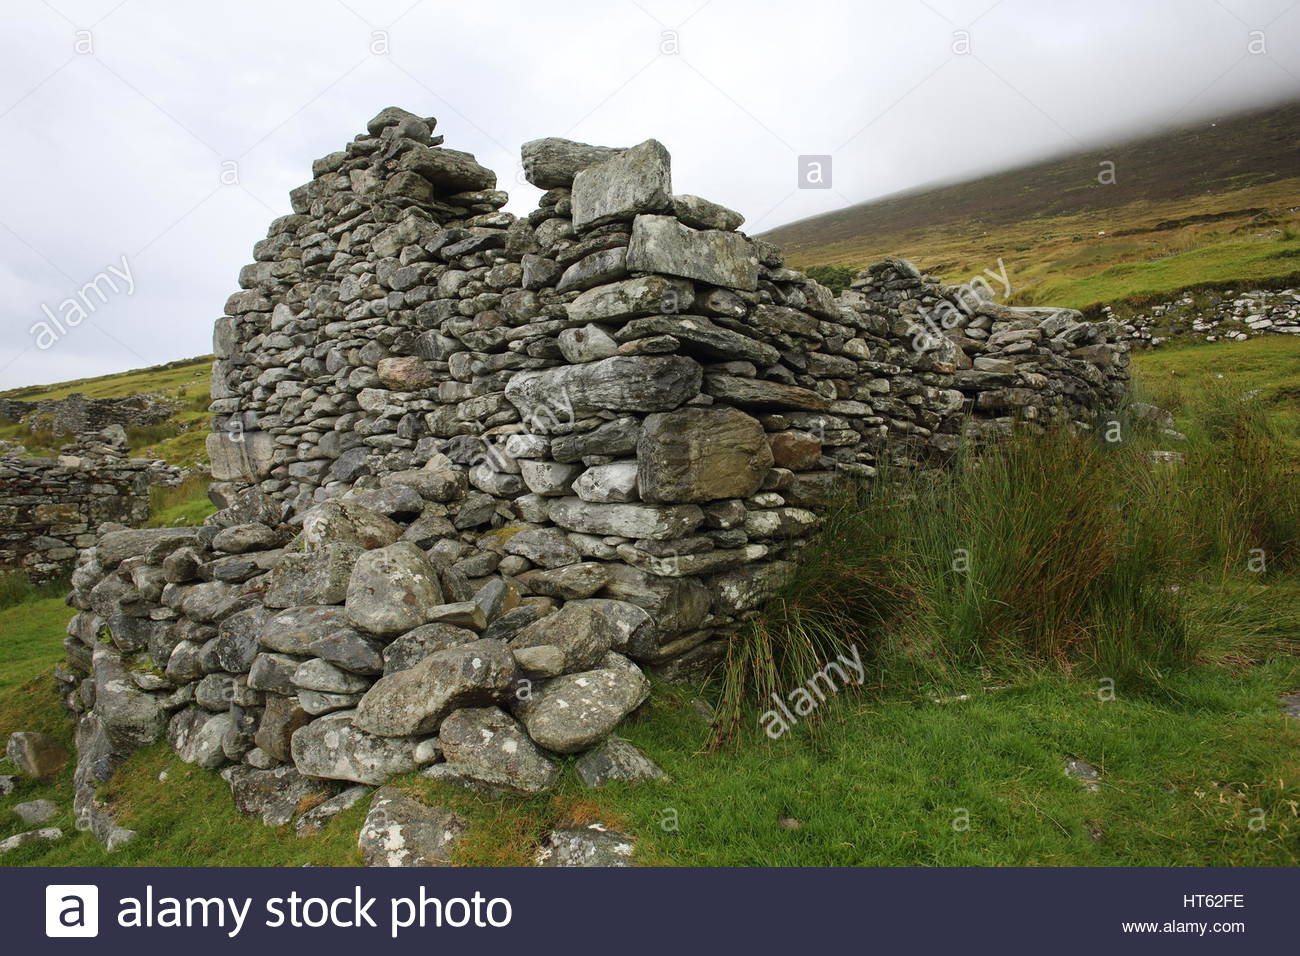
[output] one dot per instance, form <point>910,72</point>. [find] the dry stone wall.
<point>78,415</point>
<point>480,475</point>
<point>52,508</point>
<point>1214,317</point>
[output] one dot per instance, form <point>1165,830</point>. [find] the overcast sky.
<point>119,120</point>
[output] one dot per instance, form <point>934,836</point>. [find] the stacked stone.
<point>313,383</point>
<point>1215,317</point>
<point>77,415</point>
<point>478,475</point>
<point>1004,366</point>
<point>51,508</point>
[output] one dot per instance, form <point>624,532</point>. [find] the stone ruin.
<point>53,508</point>
<point>481,476</point>
<point>78,415</point>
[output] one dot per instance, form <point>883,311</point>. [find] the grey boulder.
<point>570,713</point>
<point>415,701</point>
<point>333,748</point>
<point>401,831</point>
<point>488,746</point>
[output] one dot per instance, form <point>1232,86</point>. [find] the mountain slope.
<point>1223,193</point>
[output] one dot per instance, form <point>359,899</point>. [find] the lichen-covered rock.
<point>662,244</point>
<point>401,831</point>
<point>196,736</point>
<point>590,845</point>
<point>333,748</point>
<point>574,638</point>
<point>338,522</point>
<point>487,745</point>
<point>570,713</point>
<point>633,181</point>
<point>414,701</point>
<point>616,761</point>
<point>392,589</point>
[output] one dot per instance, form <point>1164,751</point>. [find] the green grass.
<point>183,374</point>
<point>879,781</point>
<point>1231,261</point>
<point>184,505</point>
<point>179,440</point>
<point>1177,376</point>
<point>1107,615</point>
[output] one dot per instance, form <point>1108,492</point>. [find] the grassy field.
<point>1212,204</point>
<point>954,750</point>
<point>179,440</point>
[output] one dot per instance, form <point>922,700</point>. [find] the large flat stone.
<point>659,522</point>
<point>701,454</point>
<point>619,384</point>
<point>700,336</point>
<point>636,180</point>
<point>763,394</point>
<point>662,244</point>
<point>245,456</point>
<point>644,295</point>
<point>552,163</point>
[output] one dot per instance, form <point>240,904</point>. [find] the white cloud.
<point>119,152</point>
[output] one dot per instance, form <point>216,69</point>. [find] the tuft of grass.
<point>17,588</point>
<point>183,505</point>
<point>1061,552</point>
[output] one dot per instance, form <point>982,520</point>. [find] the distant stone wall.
<point>1214,317</point>
<point>480,473</point>
<point>50,508</point>
<point>77,414</point>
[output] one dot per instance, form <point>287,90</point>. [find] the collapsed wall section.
<point>480,473</point>
<point>51,509</point>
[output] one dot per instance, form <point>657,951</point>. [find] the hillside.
<point>1218,202</point>
<point>179,440</point>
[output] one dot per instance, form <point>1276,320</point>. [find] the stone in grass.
<point>1291,704</point>
<point>45,834</point>
<point>572,712</point>
<point>401,831</point>
<point>35,754</point>
<point>7,785</point>
<point>274,795</point>
<point>311,822</point>
<point>1087,775</point>
<point>36,811</point>
<point>592,845</point>
<point>616,760</point>
<point>489,747</point>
